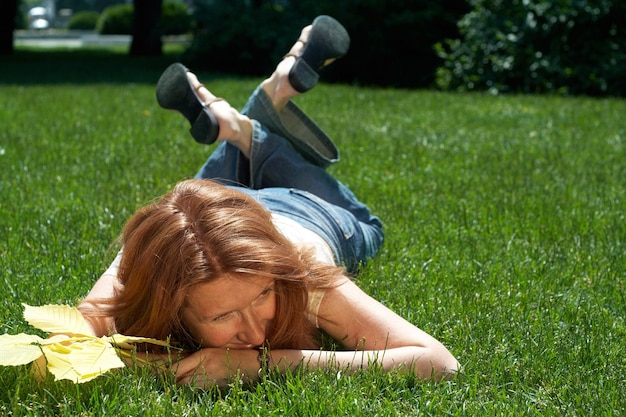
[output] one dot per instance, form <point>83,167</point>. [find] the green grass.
<point>505,235</point>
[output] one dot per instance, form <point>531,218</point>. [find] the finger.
<point>187,367</point>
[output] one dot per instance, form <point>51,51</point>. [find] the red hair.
<point>194,234</point>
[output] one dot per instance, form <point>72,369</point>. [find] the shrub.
<point>175,19</point>
<point>247,40</point>
<point>538,46</point>
<point>391,41</point>
<point>116,20</point>
<point>85,20</point>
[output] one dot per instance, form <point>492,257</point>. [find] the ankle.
<point>277,86</point>
<point>245,138</point>
<point>236,129</point>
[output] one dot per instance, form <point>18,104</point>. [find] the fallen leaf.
<point>19,349</point>
<point>56,319</point>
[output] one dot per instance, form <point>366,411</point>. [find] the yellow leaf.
<point>125,342</point>
<point>19,349</point>
<point>73,353</point>
<point>56,319</point>
<point>59,365</point>
<point>63,338</point>
<point>81,361</point>
<point>59,348</point>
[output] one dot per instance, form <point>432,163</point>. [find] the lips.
<point>241,346</point>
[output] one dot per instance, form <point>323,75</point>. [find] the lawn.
<point>505,235</point>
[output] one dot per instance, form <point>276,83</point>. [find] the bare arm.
<point>363,324</point>
<point>373,333</point>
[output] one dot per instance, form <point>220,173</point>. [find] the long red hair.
<point>194,234</point>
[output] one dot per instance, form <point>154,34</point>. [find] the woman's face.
<point>231,312</point>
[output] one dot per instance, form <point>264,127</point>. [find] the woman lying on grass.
<point>247,265</point>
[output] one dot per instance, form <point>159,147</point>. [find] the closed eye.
<point>264,295</point>
<point>267,291</point>
<point>222,317</point>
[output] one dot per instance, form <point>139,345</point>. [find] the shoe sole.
<point>328,40</point>
<point>174,92</point>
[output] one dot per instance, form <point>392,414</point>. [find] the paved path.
<point>45,39</point>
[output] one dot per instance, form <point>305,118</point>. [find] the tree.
<point>8,14</point>
<point>146,32</point>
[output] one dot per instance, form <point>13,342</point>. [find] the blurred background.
<point>566,47</point>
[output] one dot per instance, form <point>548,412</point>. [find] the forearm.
<point>423,362</point>
<point>218,366</point>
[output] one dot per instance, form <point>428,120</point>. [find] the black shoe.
<point>328,40</point>
<point>174,92</point>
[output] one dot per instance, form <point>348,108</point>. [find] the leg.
<point>285,183</point>
<point>273,163</point>
<point>282,147</point>
<point>319,44</point>
<point>294,125</point>
<point>272,106</point>
<point>285,147</point>
<point>211,118</point>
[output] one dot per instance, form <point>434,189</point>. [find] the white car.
<point>38,18</point>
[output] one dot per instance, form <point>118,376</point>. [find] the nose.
<point>252,330</point>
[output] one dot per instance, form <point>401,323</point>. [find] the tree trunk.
<point>8,13</point>
<point>146,28</point>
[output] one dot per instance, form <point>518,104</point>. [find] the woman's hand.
<point>217,366</point>
<point>204,368</point>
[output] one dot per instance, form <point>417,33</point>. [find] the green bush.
<point>538,46</point>
<point>116,20</point>
<point>175,19</point>
<point>232,36</point>
<point>391,42</point>
<point>85,20</point>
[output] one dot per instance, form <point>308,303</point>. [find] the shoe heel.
<point>205,128</point>
<point>328,41</point>
<point>302,77</point>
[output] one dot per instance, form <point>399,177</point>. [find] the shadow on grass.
<point>83,66</point>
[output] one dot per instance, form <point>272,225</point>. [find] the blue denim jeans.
<point>287,179</point>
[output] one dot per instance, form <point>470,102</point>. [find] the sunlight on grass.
<point>505,238</point>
